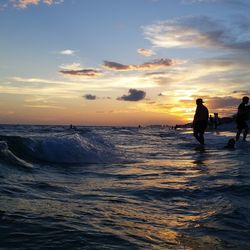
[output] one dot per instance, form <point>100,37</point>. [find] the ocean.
<point>122,188</point>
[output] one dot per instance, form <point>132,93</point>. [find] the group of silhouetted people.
<point>201,119</point>
<point>214,121</point>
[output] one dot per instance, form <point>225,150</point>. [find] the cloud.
<point>82,72</point>
<point>134,95</point>
<point>67,52</point>
<point>116,66</point>
<point>215,103</point>
<point>223,102</point>
<point>3,6</point>
<point>156,64</point>
<point>201,32</point>
<point>146,52</point>
<point>22,4</point>
<point>72,66</point>
<point>241,92</point>
<point>234,3</point>
<point>219,73</point>
<point>89,97</point>
<point>38,80</point>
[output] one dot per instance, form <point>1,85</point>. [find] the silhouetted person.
<point>211,121</point>
<point>230,144</point>
<point>216,120</point>
<point>200,121</point>
<point>241,118</point>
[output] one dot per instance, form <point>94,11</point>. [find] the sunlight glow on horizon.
<point>80,69</point>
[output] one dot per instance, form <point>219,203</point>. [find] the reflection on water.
<point>167,194</point>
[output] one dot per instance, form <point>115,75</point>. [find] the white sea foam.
<point>72,148</point>
<point>8,156</point>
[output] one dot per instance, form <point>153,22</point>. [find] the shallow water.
<point>122,188</point>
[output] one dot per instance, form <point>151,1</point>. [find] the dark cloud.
<point>89,97</point>
<point>159,63</point>
<point>82,72</point>
<point>155,64</point>
<point>134,95</point>
<point>116,66</point>
<point>242,92</point>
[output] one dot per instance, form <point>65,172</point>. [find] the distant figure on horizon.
<point>200,121</point>
<point>72,126</point>
<point>241,118</point>
<point>211,121</point>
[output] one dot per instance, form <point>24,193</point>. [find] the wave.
<point>7,156</point>
<point>61,148</point>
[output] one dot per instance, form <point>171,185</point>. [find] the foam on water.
<point>170,195</point>
<point>62,148</point>
<point>7,156</point>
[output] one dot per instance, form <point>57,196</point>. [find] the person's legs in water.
<point>196,135</point>
<point>201,138</point>
<point>242,125</point>
<point>245,134</point>
<point>238,134</point>
<point>199,130</point>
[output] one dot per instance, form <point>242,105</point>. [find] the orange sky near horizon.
<point>144,63</point>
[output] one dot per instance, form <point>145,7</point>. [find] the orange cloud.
<point>146,52</point>
<point>82,72</point>
<point>156,64</point>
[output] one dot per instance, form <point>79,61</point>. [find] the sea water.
<point>122,188</point>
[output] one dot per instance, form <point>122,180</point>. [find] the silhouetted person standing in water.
<point>200,121</point>
<point>241,118</point>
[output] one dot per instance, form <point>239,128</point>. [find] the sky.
<point>121,62</point>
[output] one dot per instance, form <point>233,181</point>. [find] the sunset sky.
<point>121,62</point>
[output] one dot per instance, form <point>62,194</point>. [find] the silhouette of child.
<point>230,144</point>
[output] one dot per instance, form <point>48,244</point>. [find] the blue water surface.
<point>122,188</point>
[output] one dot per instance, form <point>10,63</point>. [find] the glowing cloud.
<point>72,66</point>
<point>24,3</point>
<point>146,52</point>
<point>156,64</point>
<point>201,31</point>
<point>67,52</point>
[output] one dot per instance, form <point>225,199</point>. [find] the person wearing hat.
<point>241,118</point>
<point>200,121</point>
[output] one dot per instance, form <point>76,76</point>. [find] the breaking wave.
<point>60,148</point>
